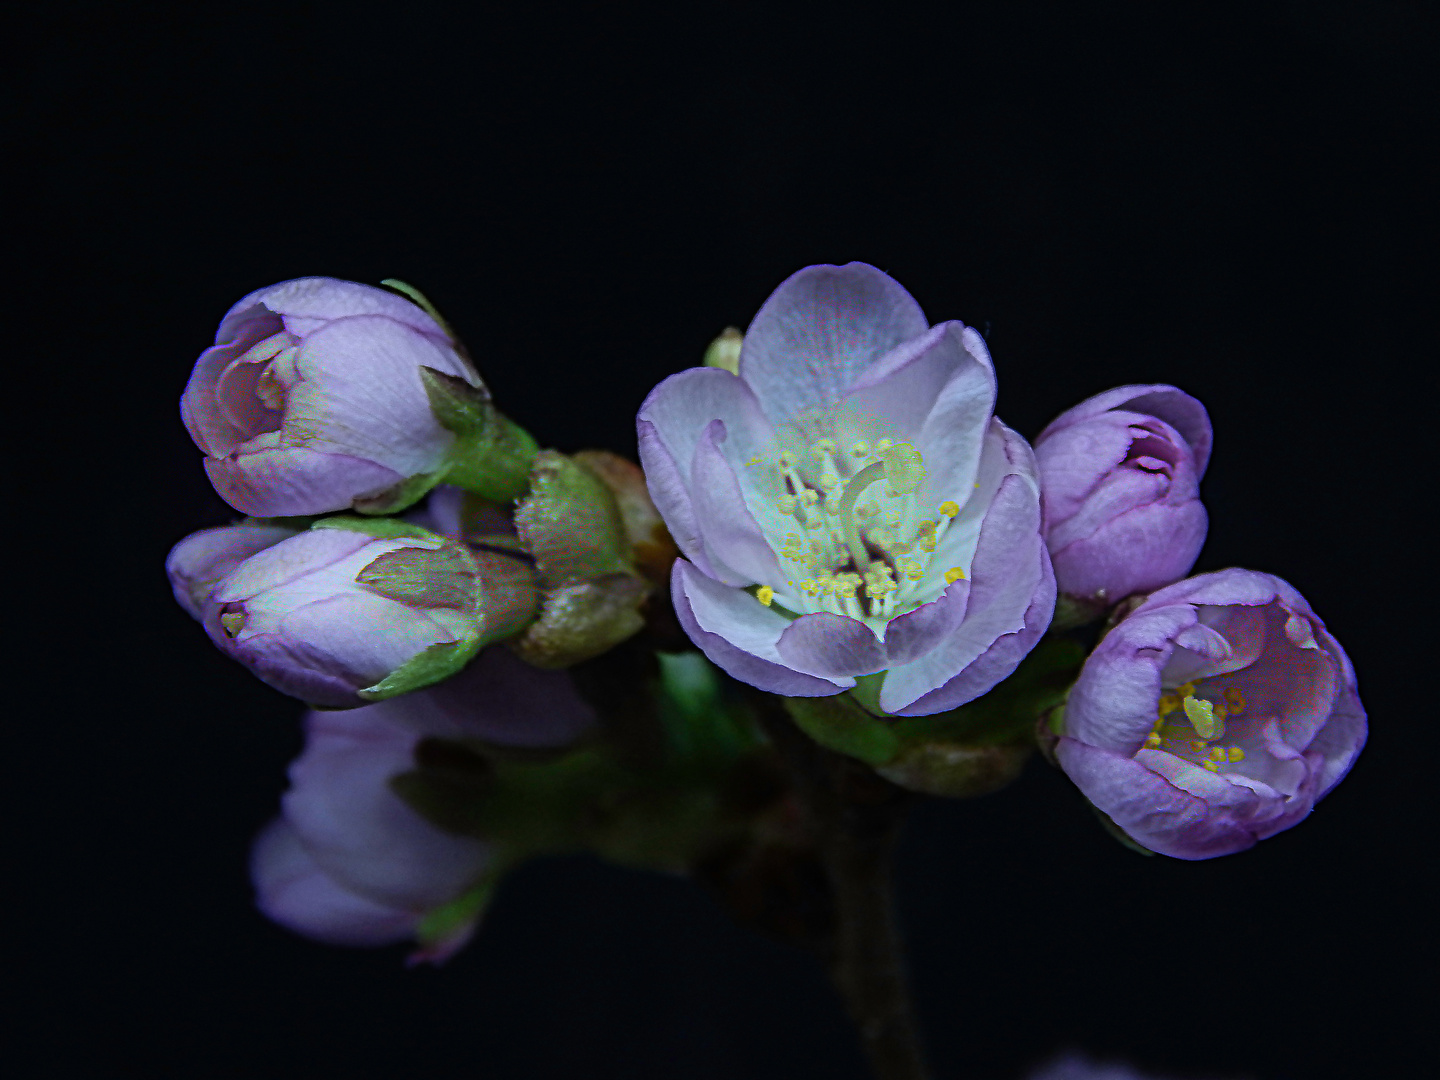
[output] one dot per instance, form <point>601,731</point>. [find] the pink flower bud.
<point>326,614</point>
<point>350,863</point>
<point>1214,715</point>
<point>1119,475</point>
<point>311,399</point>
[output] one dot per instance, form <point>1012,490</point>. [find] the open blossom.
<point>1214,715</point>
<point>325,614</point>
<point>848,504</point>
<point>349,862</point>
<point>311,398</point>
<point>1120,476</point>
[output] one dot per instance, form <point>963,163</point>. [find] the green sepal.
<point>458,577</point>
<point>402,496</point>
<point>579,622</point>
<point>571,523</point>
<point>420,300</point>
<point>444,923</point>
<point>388,528</point>
<point>840,724</point>
<point>426,668</point>
<point>491,455</point>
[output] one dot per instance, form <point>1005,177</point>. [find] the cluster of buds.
<point>838,519</point>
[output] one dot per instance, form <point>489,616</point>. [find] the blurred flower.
<point>349,862</point>
<point>848,505</point>
<point>337,616</point>
<point>312,399</point>
<point>1120,477</point>
<point>1074,1066</point>
<point>1214,715</point>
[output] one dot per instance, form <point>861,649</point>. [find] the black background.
<point>1229,198</point>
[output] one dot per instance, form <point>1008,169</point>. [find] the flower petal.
<point>200,561</point>
<point>740,635</point>
<point>358,830</point>
<point>1010,586</point>
<point>738,551</point>
<point>308,303</point>
<point>954,433</point>
<point>819,331</point>
<point>208,424</point>
<point>1177,408</point>
<point>303,553</point>
<point>910,636</point>
<point>670,491</point>
<point>292,890</point>
<point>296,480</point>
<point>831,646</point>
<point>1149,808</point>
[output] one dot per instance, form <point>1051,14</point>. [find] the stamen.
<point>953,575</point>
<point>765,594</point>
<point>949,509</point>
<point>1236,754</point>
<point>233,622</point>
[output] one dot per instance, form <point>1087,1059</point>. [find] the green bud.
<point>724,351</point>
<point>572,525</point>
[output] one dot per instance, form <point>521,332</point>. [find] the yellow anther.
<point>1152,741</point>
<point>829,483</point>
<point>883,445</point>
<point>810,496</point>
<point>755,460</point>
<point>867,510</point>
<point>1168,704</point>
<point>904,468</point>
<point>788,460</point>
<point>1217,753</point>
<point>1201,715</point>
<point>1185,690</point>
<point>765,594</point>
<point>953,575</point>
<point>813,523</point>
<point>861,449</point>
<point>822,449</point>
<point>1211,766</point>
<point>1236,754</point>
<point>1235,698</point>
<point>949,509</point>
<point>786,504</point>
<point>233,622</point>
<point>902,547</point>
<point>894,518</point>
<point>1198,746</point>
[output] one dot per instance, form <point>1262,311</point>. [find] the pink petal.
<point>294,892</point>
<point>741,641</point>
<point>296,480</point>
<point>831,646</point>
<point>818,333</point>
<point>737,549</point>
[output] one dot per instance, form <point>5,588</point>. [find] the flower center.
<point>1192,727</point>
<point>860,547</point>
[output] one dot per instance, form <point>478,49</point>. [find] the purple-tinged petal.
<point>1009,575</point>
<point>198,563</point>
<point>292,890</point>
<point>1148,807</point>
<point>953,436</point>
<point>497,698</point>
<point>360,392</point>
<point>1114,708</point>
<point>737,549</point>
<point>1177,408</point>
<point>308,303</point>
<point>280,564</point>
<point>670,491</point>
<point>295,480</point>
<point>683,406</point>
<point>1340,741</point>
<point>1143,549</point>
<point>208,424</point>
<point>358,831</point>
<point>831,646</point>
<point>293,667</point>
<point>910,636</point>
<point>998,661</point>
<point>740,642</point>
<point>818,333</point>
<point>903,385</point>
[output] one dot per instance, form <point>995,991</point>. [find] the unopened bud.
<point>724,351</point>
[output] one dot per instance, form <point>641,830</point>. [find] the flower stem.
<point>857,815</point>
